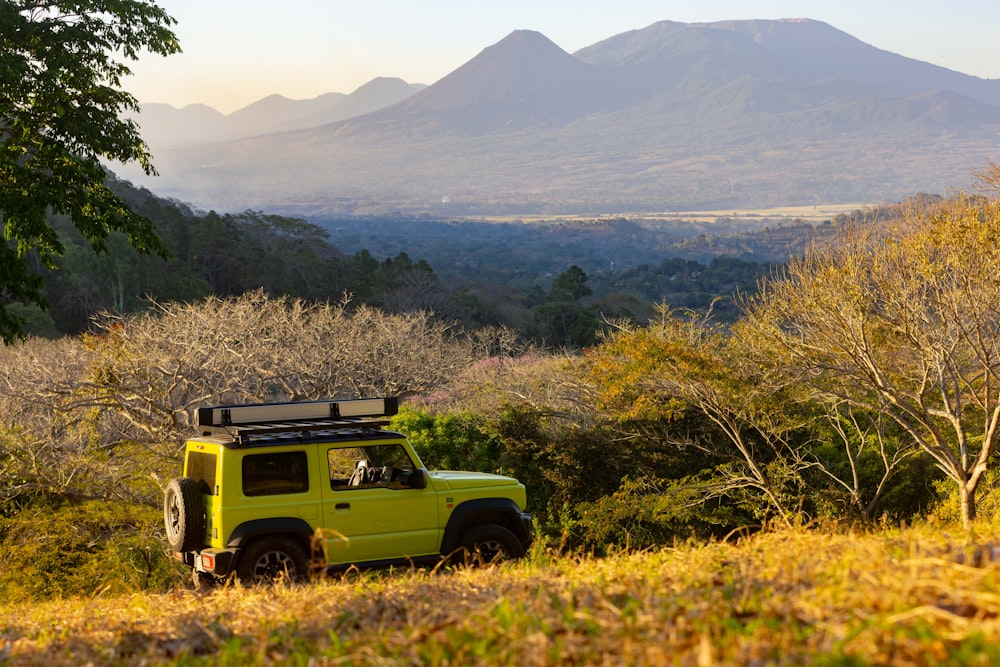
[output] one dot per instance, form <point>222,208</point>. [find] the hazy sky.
<point>238,51</point>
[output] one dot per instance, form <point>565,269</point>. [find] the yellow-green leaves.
<point>61,64</point>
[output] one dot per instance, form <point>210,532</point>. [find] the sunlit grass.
<point>913,597</point>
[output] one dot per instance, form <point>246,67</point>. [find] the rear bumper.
<point>216,562</point>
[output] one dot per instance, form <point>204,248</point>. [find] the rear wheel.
<point>184,514</point>
<point>272,559</point>
<point>489,543</point>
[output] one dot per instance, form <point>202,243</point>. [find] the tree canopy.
<point>903,321</point>
<point>61,70</point>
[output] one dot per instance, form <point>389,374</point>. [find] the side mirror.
<point>418,479</point>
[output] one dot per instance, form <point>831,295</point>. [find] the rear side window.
<point>274,474</point>
<point>201,467</point>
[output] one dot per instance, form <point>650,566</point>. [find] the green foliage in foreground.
<point>450,441</point>
<point>58,549</point>
<point>912,597</point>
<point>61,68</point>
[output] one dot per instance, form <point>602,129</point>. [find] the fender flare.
<point>501,511</point>
<point>294,526</point>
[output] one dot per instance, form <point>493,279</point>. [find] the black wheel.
<point>184,514</point>
<point>489,543</point>
<point>271,559</point>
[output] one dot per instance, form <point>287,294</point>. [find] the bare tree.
<point>902,320</point>
<point>54,435</point>
<point>106,414</point>
<point>156,369</point>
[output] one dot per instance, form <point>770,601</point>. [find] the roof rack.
<point>241,422</point>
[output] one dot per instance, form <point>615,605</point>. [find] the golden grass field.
<point>782,597</point>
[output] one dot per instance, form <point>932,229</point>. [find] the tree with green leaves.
<point>561,320</point>
<point>683,365</point>
<point>570,285</point>
<point>904,321</point>
<point>61,68</point>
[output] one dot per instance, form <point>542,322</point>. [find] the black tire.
<point>184,514</point>
<point>489,543</point>
<point>269,559</point>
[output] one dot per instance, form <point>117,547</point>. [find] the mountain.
<point>524,81</point>
<point>164,126</point>
<point>277,112</point>
<point>675,116</point>
<point>797,50</point>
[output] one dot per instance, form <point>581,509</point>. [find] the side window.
<point>390,455</point>
<point>273,474</point>
<point>201,467</point>
<point>372,466</point>
<point>343,462</point>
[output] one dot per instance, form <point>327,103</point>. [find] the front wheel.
<point>489,543</point>
<point>271,559</point>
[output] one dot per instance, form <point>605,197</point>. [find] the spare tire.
<point>184,514</point>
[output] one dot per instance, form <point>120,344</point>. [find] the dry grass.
<point>914,597</point>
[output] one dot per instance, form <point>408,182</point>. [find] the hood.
<point>468,480</point>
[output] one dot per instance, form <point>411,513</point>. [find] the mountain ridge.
<point>673,116</point>
<point>165,126</point>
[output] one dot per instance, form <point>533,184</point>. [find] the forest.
<point>472,273</point>
<point>853,383</point>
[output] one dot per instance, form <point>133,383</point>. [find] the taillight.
<point>208,561</point>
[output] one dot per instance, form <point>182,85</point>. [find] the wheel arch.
<point>501,511</point>
<point>294,527</point>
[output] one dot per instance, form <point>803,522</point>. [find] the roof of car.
<point>260,424</point>
<point>245,439</point>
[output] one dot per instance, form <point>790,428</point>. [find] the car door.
<point>370,513</point>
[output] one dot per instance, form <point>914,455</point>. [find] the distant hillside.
<point>164,126</point>
<point>741,114</point>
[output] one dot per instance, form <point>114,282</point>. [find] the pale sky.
<point>239,51</point>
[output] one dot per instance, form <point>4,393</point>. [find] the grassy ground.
<point>911,597</point>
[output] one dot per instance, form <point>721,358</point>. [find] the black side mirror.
<point>418,479</point>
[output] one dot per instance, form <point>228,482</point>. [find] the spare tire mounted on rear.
<point>184,514</point>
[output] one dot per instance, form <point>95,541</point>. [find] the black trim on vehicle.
<point>416,561</point>
<point>294,526</point>
<point>223,559</point>
<point>296,438</point>
<point>501,511</point>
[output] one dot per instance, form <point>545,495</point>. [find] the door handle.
<point>343,506</point>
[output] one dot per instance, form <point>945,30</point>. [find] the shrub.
<point>644,513</point>
<point>450,441</point>
<point>57,549</point>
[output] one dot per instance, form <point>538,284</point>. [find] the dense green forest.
<point>469,272</point>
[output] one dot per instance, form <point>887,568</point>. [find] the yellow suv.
<point>283,489</point>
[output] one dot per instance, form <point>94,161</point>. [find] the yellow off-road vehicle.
<point>285,489</point>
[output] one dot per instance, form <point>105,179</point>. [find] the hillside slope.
<point>674,116</point>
